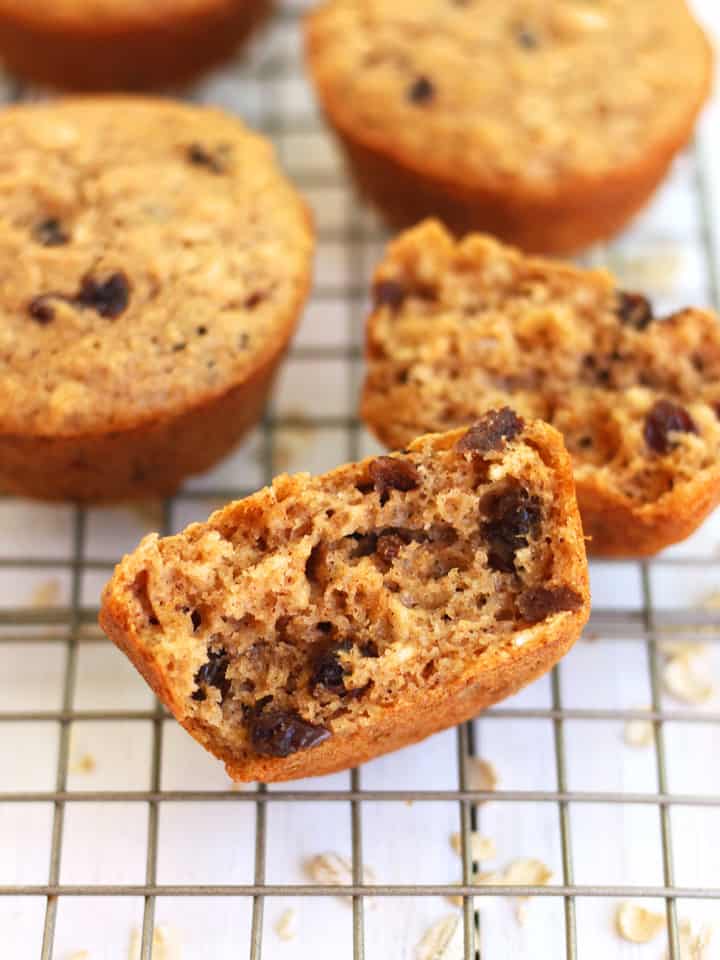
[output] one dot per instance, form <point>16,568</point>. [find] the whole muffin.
<point>121,44</point>
<point>154,263</point>
<point>546,122</point>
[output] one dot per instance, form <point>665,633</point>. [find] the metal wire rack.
<point>637,605</point>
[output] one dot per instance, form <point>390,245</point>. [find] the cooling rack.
<point>120,837</point>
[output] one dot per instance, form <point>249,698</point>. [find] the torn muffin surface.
<point>474,324</point>
<point>312,614</point>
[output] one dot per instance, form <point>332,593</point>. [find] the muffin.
<point>463,326</point>
<point>327,620</point>
<point>155,262</point>
<point>121,44</point>
<point>548,123</point>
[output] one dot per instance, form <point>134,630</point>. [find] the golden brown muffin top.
<point>152,255</point>
<point>529,90</point>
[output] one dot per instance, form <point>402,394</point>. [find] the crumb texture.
<point>153,256</point>
<point>321,606</point>
<point>535,90</point>
<point>460,327</point>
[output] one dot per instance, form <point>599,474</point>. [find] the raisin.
<point>389,293</point>
<point>389,473</point>
<point>540,602</point>
<point>634,310</point>
<point>254,300</point>
<point>280,733</point>
<point>108,297</point>
<point>213,674</point>
<point>366,545</point>
<point>526,38</point>
<point>41,309</point>
<point>666,418</point>
<point>50,233</point>
<point>512,515</point>
<point>195,619</point>
<point>200,157</point>
<point>389,546</point>
<point>329,673</point>
<point>491,431</point>
<point>421,90</point>
<point>370,650</point>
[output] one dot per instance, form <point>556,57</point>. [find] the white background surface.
<point>213,842</point>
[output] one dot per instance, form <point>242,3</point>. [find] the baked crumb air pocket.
<point>327,620</point>
<point>459,327</point>
<point>155,261</point>
<point>548,123</point>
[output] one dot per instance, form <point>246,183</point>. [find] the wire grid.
<point>251,86</point>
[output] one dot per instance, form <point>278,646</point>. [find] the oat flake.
<point>442,941</point>
<point>636,924</point>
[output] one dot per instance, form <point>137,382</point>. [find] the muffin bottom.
<point>84,56</point>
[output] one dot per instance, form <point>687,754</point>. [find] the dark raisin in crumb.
<point>153,621</point>
<point>370,650</point>
<point>421,90</point>
<point>389,546</point>
<point>634,310</point>
<point>201,331</point>
<point>324,626</point>
<point>198,155</point>
<point>540,602</point>
<point>526,38</point>
<point>585,443</point>
<point>178,347</point>
<point>491,431</point>
<point>390,473</point>
<point>328,672</point>
<point>666,418</point>
<point>41,309</point>
<point>50,233</point>
<point>108,297</point>
<point>366,545</point>
<point>254,300</point>
<point>195,619</point>
<point>512,516</point>
<point>213,674</point>
<point>389,293</point>
<point>280,733</point>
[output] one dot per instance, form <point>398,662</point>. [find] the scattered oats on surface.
<point>455,901</point>
<point>711,601</point>
<point>286,925</point>
<point>442,941</point>
<point>481,775</point>
<point>46,593</point>
<point>678,648</point>
<point>481,848</point>
<point>639,733</point>
<point>685,679</point>
<point>526,872</point>
<point>333,870</point>
<point>80,955</point>
<point>165,944</point>
<point>637,924</point>
<point>522,908</point>
<point>694,946</point>
<point>83,764</point>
